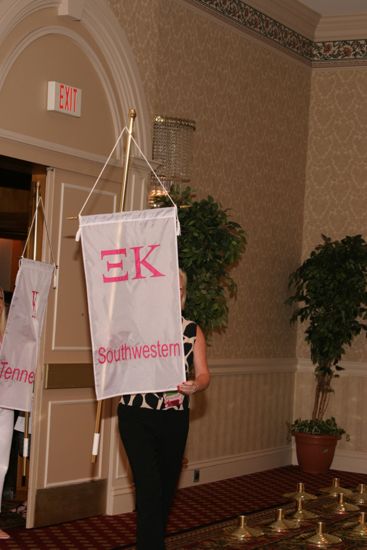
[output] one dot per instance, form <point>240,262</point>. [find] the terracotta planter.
<point>315,453</point>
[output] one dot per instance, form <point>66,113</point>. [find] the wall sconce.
<point>172,150</point>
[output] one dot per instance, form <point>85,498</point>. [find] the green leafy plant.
<point>317,427</point>
<point>210,245</point>
<point>330,295</point>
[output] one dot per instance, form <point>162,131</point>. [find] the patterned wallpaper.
<point>284,146</point>
<point>250,103</point>
<point>336,190</point>
<point>140,21</point>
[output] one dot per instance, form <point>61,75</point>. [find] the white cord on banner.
<point>178,231</point>
<point>40,202</point>
<point>101,172</point>
<point>152,169</point>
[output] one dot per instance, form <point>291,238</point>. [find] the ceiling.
<point>331,8</point>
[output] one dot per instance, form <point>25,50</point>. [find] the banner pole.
<point>97,428</point>
<point>26,414</point>
<point>132,116</point>
<point>97,431</point>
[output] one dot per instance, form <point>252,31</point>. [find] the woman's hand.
<point>188,388</point>
<point>202,375</point>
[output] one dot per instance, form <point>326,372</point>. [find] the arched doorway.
<point>82,45</point>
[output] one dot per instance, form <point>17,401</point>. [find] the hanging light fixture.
<point>172,150</point>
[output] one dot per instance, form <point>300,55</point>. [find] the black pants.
<point>154,441</point>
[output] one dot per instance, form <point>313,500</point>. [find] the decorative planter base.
<point>315,453</point>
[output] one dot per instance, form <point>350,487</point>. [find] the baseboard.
<point>235,465</point>
<point>344,460</point>
<point>350,461</point>
<point>70,502</point>
<point>122,500</point>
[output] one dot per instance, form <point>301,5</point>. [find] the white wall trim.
<point>352,368</point>
<point>120,501</point>
<point>225,467</point>
<point>51,146</point>
<point>219,367</point>
<point>68,152</point>
<point>341,27</point>
<point>350,461</point>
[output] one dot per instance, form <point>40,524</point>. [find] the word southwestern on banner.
<point>19,350</point>
<point>131,271</point>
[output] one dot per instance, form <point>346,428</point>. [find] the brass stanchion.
<point>360,496</point>
<point>243,532</point>
<point>360,531</point>
<point>341,507</point>
<point>335,489</point>
<point>300,494</point>
<point>321,539</point>
<point>280,525</point>
<point>301,514</point>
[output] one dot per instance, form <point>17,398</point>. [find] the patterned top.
<point>160,400</point>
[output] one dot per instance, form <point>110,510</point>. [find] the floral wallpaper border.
<point>237,11</point>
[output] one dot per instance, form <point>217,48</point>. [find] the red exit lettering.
<point>68,98</point>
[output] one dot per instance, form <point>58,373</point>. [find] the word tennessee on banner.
<point>19,350</point>
<point>131,270</point>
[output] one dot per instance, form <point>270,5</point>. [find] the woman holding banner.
<point>6,420</point>
<point>153,429</point>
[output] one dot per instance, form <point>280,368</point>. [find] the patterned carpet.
<point>220,536</point>
<point>201,516</point>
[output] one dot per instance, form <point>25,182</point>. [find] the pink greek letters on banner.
<point>131,270</point>
<point>138,262</point>
<point>34,302</point>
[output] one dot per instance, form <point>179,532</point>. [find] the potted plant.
<point>209,247</point>
<point>329,293</point>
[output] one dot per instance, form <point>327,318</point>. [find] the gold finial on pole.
<point>132,116</point>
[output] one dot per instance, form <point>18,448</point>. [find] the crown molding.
<point>290,13</point>
<point>311,24</point>
<point>277,29</point>
<point>342,27</point>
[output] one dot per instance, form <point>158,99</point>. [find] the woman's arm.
<point>202,374</point>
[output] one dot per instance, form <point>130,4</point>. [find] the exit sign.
<point>64,98</point>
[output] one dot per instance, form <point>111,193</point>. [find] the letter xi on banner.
<point>131,270</point>
<point>19,350</point>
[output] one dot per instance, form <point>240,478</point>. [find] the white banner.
<point>19,350</point>
<point>131,270</point>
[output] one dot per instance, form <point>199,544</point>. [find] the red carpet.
<point>196,506</point>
